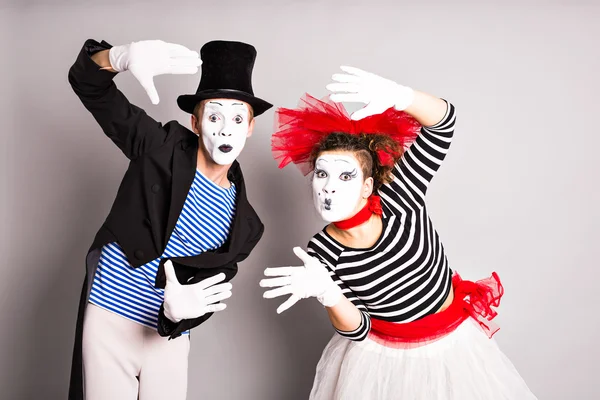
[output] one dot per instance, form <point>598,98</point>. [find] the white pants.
<point>123,360</point>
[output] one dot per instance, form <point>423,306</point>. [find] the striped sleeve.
<point>418,165</point>
<point>362,331</point>
<point>317,247</point>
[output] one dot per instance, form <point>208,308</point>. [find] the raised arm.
<point>91,78</point>
<point>419,163</point>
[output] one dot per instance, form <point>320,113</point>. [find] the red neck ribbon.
<point>373,206</point>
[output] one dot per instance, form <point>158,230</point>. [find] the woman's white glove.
<point>195,300</point>
<point>379,94</point>
<point>149,58</point>
<point>310,280</point>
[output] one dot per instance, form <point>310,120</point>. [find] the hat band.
<point>209,91</point>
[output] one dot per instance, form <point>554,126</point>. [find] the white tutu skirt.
<point>464,365</point>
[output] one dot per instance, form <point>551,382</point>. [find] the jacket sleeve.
<point>127,125</point>
<point>166,327</point>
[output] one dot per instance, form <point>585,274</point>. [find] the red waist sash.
<point>471,299</point>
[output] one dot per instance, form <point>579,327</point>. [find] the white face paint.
<point>337,186</point>
<point>225,125</point>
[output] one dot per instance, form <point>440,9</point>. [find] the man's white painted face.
<point>337,186</point>
<point>225,126</point>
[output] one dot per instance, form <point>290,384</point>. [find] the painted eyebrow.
<point>337,159</point>
<point>215,102</point>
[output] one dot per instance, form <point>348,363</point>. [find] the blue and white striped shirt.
<point>203,225</point>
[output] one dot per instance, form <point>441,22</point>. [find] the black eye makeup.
<point>319,173</point>
<point>349,175</point>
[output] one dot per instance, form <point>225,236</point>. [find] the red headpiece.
<point>298,131</point>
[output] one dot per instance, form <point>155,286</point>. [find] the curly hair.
<point>365,148</point>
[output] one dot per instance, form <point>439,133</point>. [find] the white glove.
<point>376,92</point>
<point>149,58</point>
<point>311,280</point>
<point>193,301</point>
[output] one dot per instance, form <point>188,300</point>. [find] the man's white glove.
<point>193,301</point>
<point>310,280</point>
<point>149,58</point>
<point>379,94</point>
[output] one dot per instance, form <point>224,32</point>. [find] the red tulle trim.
<point>471,299</point>
<point>385,158</point>
<point>298,131</point>
<point>373,206</point>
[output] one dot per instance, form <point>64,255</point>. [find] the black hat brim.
<point>187,102</point>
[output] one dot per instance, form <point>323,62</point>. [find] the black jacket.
<point>151,195</point>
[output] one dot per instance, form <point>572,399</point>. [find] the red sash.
<point>471,299</point>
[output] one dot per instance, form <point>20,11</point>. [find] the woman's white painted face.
<point>225,125</point>
<point>338,186</point>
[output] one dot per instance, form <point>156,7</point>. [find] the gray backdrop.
<point>518,193</point>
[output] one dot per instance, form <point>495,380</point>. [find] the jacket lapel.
<point>238,234</point>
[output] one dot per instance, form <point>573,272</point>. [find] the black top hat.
<point>226,73</point>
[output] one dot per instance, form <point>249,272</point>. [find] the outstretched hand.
<point>310,280</point>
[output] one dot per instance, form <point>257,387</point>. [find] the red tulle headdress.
<point>298,131</point>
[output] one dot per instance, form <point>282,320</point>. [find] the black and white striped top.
<point>405,275</point>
